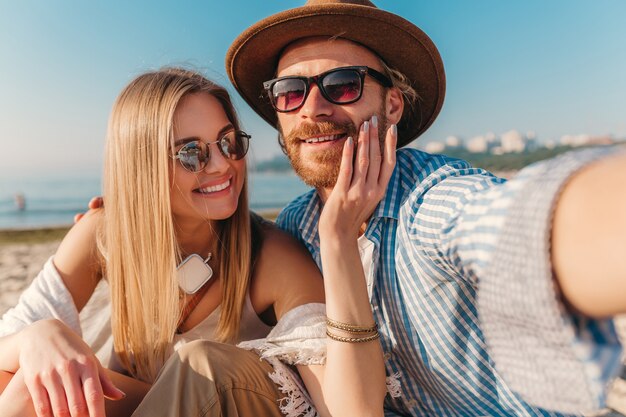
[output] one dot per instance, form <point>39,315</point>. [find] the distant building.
<point>512,141</point>
<point>453,142</point>
<point>477,144</point>
<point>601,140</point>
<point>435,147</point>
<point>574,140</point>
<point>532,144</point>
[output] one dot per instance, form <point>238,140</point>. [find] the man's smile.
<point>324,138</point>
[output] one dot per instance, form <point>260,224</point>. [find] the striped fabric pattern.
<point>455,272</point>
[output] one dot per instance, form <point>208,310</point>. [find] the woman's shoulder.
<point>82,238</point>
<point>78,258</point>
<point>285,275</point>
<point>276,241</point>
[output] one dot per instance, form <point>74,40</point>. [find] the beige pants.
<point>212,379</point>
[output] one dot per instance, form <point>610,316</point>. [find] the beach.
<point>21,261</point>
<point>19,264</point>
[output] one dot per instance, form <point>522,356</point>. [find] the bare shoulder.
<point>285,275</point>
<point>78,260</point>
<point>282,255</point>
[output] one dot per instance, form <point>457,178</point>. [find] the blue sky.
<point>554,67</point>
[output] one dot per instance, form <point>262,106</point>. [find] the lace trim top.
<point>299,338</point>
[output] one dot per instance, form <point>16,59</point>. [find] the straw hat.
<point>253,56</point>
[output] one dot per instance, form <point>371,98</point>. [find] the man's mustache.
<point>320,129</point>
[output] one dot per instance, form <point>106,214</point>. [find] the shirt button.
<point>387,356</point>
<point>412,403</point>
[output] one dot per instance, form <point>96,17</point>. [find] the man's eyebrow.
<point>223,130</point>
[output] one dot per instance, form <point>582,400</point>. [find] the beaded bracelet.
<point>351,328</point>
<point>352,339</point>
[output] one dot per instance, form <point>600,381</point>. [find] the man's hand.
<point>94,203</point>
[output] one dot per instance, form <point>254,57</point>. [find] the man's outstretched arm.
<point>589,239</point>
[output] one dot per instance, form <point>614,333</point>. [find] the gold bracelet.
<point>351,328</point>
<point>352,339</point>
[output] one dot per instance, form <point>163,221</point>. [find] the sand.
<point>20,263</point>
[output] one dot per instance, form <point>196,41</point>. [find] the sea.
<point>53,200</point>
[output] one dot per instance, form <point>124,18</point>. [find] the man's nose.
<point>315,105</point>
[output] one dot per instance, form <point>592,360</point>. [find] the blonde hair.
<point>139,243</point>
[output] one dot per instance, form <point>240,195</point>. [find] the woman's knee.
<point>226,365</point>
<point>200,356</point>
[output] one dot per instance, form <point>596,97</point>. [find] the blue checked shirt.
<point>462,282</point>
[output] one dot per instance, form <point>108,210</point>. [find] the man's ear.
<point>395,105</point>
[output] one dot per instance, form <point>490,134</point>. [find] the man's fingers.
<point>96,202</point>
<point>389,157</point>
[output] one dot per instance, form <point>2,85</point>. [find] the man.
<point>484,291</point>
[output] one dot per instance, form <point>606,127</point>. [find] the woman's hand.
<point>62,374</point>
<point>360,184</point>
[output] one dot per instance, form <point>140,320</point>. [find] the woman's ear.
<point>395,105</point>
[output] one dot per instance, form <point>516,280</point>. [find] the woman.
<point>177,217</point>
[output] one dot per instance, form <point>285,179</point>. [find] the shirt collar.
<point>389,206</point>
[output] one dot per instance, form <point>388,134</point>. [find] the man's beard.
<point>322,167</point>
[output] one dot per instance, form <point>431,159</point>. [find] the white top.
<point>48,297</point>
<point>252,327</point>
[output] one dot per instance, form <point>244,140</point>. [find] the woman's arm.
<point>76,271</point>
<point>58,368</point>
<point>353,380</point>
<point>357,367</point>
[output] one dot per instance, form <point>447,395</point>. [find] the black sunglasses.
<point>342,85</point>
<point>195,155</point>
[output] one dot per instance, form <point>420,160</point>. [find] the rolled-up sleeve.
<point>493,237</point>
<point>552,357</point>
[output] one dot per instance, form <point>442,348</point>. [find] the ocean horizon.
<point>53,200</point>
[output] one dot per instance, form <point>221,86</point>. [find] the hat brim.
<point>253,56</point>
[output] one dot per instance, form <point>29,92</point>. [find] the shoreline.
<point>24,251</point>
<point>45,234</point>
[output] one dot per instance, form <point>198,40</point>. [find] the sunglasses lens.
<point>343,86</point>
<point>192,156</point>
<point>288,94</point>
<point>234,145</point>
